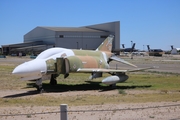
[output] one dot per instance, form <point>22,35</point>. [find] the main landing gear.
<point>113,86</point>
<point>53,80</point>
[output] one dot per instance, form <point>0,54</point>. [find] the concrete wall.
<point>111,27</point>
<point>80,40</point>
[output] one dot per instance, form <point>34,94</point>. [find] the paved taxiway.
<point>170,64</point>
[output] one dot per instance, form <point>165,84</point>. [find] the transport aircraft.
<point>155,52</point>
<point>52,62</point>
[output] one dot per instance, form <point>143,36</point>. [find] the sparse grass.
<point>122,92</point>
<point>29,116</point>
<point>159,81</point>
<point>151,117</point>
<point>48,100</point>
<point>167,85</point>
<point>9,81</point>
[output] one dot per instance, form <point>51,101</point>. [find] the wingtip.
<point>133,65</point>
<point>154,67</point>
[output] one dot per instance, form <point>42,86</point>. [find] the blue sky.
<point>153,22</point>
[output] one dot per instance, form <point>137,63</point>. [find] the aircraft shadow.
<point>89,85</point>
<point>28,93</point>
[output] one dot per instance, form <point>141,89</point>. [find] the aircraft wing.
<point>140,69</point>
<point>115,58</point>
<point>90,70</point>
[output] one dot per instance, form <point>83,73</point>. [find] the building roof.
<point>23,44</point>
<point>75,29</point>
<point>34,47</point>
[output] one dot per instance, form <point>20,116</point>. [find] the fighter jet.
<point>55,61</point>
<point>132,49</point>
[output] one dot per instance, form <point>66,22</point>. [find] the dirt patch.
<point>150,110</point>
<point>161,110</point>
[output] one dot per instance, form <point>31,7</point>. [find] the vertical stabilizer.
<point>172,47</point>
<point>133,46</point>
<point>106,45</point>
<point>148,48</point>
<point>123,46</point>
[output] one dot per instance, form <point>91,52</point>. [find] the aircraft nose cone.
<point>17,70</point>
<point>30,67</point>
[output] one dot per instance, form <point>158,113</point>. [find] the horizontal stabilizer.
<point>141,69</point>
<point>115,58</point>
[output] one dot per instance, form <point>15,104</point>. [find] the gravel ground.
<point>123,111</point>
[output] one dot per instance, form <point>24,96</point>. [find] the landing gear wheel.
<point>40,90</point>
<point>53,81</point>
<point>113,86</point>
<point>39,86</point>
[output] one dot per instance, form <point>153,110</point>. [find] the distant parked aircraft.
<point>132,49</point>
<point>173,50</point>
<point>155,52</point>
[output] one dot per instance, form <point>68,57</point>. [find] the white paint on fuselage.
<point>38,65</point>
<point>54,53</point>
<point>31,70</point>
<point>66,52</point>
<point>31,66</point>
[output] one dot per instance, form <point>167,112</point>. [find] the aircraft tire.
<point>40,89</point>
<point>113,86</point>
<point>53,81</point>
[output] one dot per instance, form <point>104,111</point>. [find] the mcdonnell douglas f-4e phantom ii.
<point>55,61</point>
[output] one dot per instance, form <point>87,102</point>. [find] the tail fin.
<point>148,48</point>
<point>172,47</point>
<point>106,45</point>
<point>123,46</point>
<point>133,46</point>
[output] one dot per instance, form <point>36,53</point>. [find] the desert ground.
<point>18,102</point>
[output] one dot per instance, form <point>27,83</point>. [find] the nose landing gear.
<point>39,85</point>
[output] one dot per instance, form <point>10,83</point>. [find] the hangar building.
<point>86,37</point>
